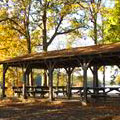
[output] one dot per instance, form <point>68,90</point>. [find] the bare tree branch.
<point>56,30</point>
<point>22,33</point>
<point>70,30</point>
<point>11,19</point>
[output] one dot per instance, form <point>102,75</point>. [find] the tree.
<point>94,10</point>
<point>112,24</point>
<point>10,46</point>
<point>17,16</point>
<point>53,18</point>
<point>10,43</point>
<point>42,20</point>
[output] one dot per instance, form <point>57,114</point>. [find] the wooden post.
<point>95,79</point>
<point>85,84</point>
<point>69,86</point>
<point>5,67</point>
<point>104,79</point>
<point>27,79</point>
<point>45,78</point>
<point>24,82</point>
<point>103,76</point>
<point>69,71</point>
<point>50,75</point>
<point>31,77</point>
<point>85,64</point>
<point>24,86</point>
<point>50,65</point>
<point>29,82</point>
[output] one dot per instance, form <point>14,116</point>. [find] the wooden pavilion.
<point>85,57</point>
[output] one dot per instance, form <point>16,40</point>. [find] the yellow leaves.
<point>11,44</point>
<point>94,8</point>
<point>66,9</point>
<point>75,6</point>
<point>117,80</point>
<point>3,13</point>
<point>49,0</point>
<point>50,23</point>
<point>75,23</point>
<point>69,8</point>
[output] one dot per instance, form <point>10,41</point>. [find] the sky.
<point>84,41</point>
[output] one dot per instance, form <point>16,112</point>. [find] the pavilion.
<point>85,57</point>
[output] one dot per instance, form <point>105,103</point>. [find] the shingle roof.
<point>67,53</point>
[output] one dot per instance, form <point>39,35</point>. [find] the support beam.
<point>103,76</point>
<point>84,64</point>
<point>25,75</point>
<point>50,65</point>
<point>69,71</point>
<point>29,82</point>
<point>85,84</point>
<point>31,77</point>
<point>95,79</point>
<point>24,86</point>
<point>45,78</point>
<point>5,67</point>
<point>50,75</point>
<point>27,79</point>
<point>94,71</point>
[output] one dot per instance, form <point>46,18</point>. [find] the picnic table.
<point>32,90</point>
<point>60,89</point>
<point>39,90</point>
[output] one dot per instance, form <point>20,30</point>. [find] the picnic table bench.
<point>42,90</point>
<point>60,89</point>
<point>112,88</point>
<point>39,90</point>
<point>17,90</point>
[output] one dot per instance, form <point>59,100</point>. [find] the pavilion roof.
<point>98,52</point>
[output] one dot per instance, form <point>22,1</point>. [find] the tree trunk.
<point>95,30</point>
<point>45,46</point>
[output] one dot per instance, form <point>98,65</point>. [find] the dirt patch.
<point>37,109</point>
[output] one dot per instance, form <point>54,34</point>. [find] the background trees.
<point>112,23</point>
<point>53,18</point>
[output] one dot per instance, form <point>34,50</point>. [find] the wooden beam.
<point>95,78</point>
<point>5,68</point>
<point>51,96</point>
<point>24,86</point>
<point>24,81</point>
<point>103,76</point>
<point>50,65</point>
<point>69,71</point>
<point>85,64</point>
<point>85,84</point>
